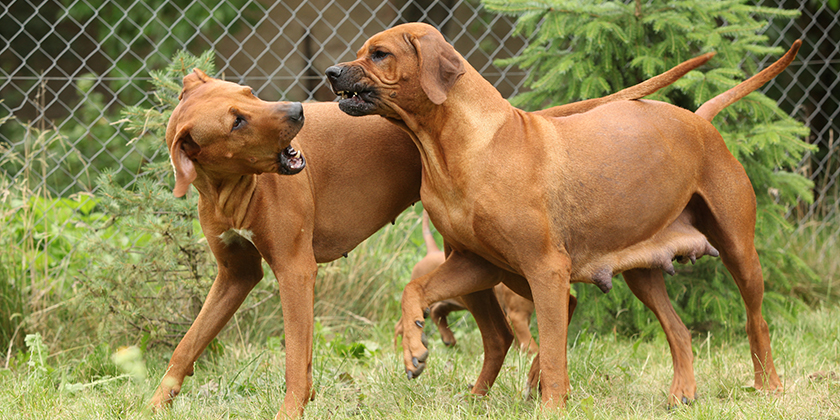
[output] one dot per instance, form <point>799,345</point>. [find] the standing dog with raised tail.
<point>626,187</point>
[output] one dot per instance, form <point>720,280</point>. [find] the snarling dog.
<point>517,309</point>
<point>626,187</point>
<point>236,150</point>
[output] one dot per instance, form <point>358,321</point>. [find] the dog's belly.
<point>680,241</point>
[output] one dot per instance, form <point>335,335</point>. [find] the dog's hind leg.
<point>239,271</point>
<point>649,287</point>
<point>726,215</point>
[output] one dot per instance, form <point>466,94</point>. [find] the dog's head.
<point>408,67</point>
<point>223,128</point>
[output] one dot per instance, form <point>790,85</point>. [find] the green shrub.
<point>39,242</point>
<point>148,267</point>
<point>13,293</point>
<point>580,50</point>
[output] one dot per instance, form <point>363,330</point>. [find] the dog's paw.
<point>166,392</point>
<point>162,400</point>
<point>416,355</point>
<point>418,364</point>
<point>677,401</point>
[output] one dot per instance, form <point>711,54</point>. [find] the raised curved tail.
<point>711,108</point>
<point>638,91</point>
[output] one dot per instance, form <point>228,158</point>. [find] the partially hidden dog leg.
<point>518,311</point>
<point>496,336</point>
<point>225,297</point>
<point>473,274</point>
<point>649,287</point>
<point>438,313</point>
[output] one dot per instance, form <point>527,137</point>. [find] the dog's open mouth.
<point>290,161</point>
<point>356,102</point>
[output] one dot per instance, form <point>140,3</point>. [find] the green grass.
<point>358,375</point>
<point>357,372</point>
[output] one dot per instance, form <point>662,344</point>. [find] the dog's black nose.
<point>295,111</point>
<point>333,72</point>
<point>291,110</point>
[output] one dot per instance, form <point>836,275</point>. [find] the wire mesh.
<point>68,66</point>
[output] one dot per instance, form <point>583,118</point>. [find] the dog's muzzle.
<point>356,99</point>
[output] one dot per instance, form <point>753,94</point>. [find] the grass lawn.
<point>358,375</point>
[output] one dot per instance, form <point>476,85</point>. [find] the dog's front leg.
<point>239,271</point>
<point>297,297</point>
<point>533,382</point>
<point>460,275</point>
<point>550,287</point>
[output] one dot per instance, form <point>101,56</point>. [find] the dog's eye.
<point>379,55</point>
<point>239,122</point>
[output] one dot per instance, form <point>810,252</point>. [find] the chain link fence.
<point>68,66</point>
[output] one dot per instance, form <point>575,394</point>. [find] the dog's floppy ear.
<point>182,164</point>
<point>440,65</point>
<point>196,78</point>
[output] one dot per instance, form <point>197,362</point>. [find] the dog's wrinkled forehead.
<point>399,38</point>
<point>375,43</point>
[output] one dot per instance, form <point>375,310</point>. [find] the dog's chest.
<point>452,222</point>
<point>456,222</point>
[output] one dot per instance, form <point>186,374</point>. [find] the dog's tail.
<point>638,91</point>
<point>657,82</point>
<point>711,108</point>
<point>431,245</point>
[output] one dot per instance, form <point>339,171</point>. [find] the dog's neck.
<point>225,195</point>
<point>466,123</point>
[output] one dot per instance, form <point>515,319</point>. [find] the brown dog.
<point>517,309</point>
<point>227,143</point>
<point>626,187</point>
<point>232,145</point>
